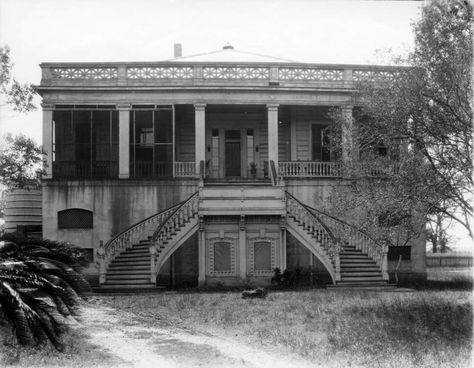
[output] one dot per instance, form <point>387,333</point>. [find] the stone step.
<point>128,279</point>
<point>363,279</point>
<point>129,271</point>
<point>127,289</point>
<point>363,287</point>
<point>354,253</point>
<point>362,283</point>
<point>137,250</point>
<point>131,267</point>
<point>108,285</point>
<point>130,263</point>
<point>361,261</point>
<point>359,268</point>
<point>354,256</point>
<point>127,257</point>
<point>375,273</point>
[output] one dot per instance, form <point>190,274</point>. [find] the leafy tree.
<point>40,282</point>
<point>18,96</point>
<point>413,133</point>
<point>20,162</point>
<point>436,234</point>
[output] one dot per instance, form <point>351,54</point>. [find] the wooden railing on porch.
<point>309,169</point>
<point>185,169</point>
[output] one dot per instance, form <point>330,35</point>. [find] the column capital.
<point>47,106</point>
<point>124,106</point>
<point>273,106</point>
<point>200,106</point>
<point>347,107</point>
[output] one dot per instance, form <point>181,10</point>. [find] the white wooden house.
<point>204,170</point>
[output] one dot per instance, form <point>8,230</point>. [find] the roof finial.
<point>228,47</point>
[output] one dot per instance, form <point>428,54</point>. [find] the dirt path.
<point>133,344</point>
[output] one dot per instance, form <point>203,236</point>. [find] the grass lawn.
<point>333,328</point>
<point>424,328</point>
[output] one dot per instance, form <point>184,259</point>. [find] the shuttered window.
<point>75,218</point>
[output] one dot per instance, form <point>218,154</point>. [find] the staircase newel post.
<point>385,263</point>
<point>338,260</point>
<point>152,263</point>
<point>102,267</point>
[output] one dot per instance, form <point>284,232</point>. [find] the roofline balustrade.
<point>168,74</point>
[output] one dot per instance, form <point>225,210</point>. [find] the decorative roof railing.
<point>197,74</point>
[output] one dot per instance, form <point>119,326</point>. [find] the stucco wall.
<point>116,205</point>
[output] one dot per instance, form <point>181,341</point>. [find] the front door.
<point>232,153</point>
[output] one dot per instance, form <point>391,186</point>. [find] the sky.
<point>145,30</point>
<point>315,31</point>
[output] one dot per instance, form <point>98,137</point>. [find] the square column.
<point>242,249</point>
<point>201,253</point>
<point>272,110</point>
<point>124,140</point>
<point>347,146</point>
<point>200,135</point>
<point>48,140</point>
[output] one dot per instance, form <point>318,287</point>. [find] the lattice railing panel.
<point>374,76</point>
<point>236,73</point>
<point>310,74</point>
<point>167,72</point>
<point>84,73</point>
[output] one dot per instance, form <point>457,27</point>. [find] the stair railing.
<point>313,223</point>
<point>273,173</point>
<point>180,215</point>
<point>124,240</point>
<point>350,234</point>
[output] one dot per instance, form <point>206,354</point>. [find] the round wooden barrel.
<point>23,207</point>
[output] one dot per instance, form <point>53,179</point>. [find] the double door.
<point>232,153</point>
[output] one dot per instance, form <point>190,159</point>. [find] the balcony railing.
<point>85,170</point>
<point>193,74</point>
<point>309,169</point>
<point>150,169</point>
<point>185,169</point>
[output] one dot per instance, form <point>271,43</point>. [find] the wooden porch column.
<point>272,110</point>
<point>124,140</point>
<point>48,140</point>
<point>347,147</point>
<point>200,134</point>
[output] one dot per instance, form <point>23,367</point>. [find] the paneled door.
<point>232,153</point>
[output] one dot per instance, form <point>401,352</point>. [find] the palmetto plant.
<point>40,285</point>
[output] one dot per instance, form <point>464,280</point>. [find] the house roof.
<point>230,54</point>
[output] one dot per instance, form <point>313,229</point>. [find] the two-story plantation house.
<point>204,170</point>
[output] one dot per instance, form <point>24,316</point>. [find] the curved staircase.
<point>133,258</point>
<point>131,268</point>
<point>360,271</point>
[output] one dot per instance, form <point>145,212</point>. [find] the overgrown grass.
<point>417,329</point>
<point>78,352</point>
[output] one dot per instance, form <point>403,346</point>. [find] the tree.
<point>414,131</point>
<point>436,234</point>
<point>18,96</point>
<point>20,162</point>
<point>40,282</point>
